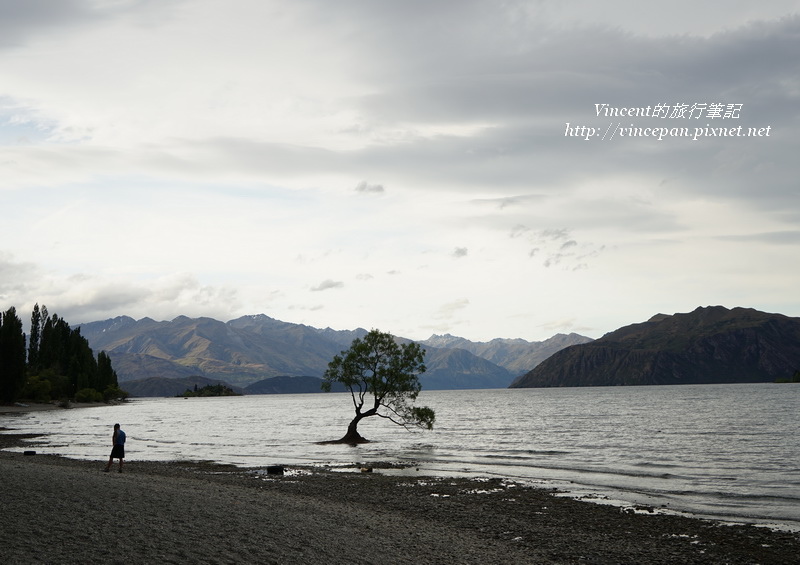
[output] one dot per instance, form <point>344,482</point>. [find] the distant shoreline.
<point>22,407</point>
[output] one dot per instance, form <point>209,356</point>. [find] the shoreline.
<point>24,407</point>
<point>211,513</point>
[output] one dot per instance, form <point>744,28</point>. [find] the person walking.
<point>118,449</point>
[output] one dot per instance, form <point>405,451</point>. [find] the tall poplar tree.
<point>106,375</point>
<point>37,323</point>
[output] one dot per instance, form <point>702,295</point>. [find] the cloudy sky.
<point>414,166</point>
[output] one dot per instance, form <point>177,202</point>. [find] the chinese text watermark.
<point>717,116</point>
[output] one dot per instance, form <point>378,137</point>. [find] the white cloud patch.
<point>569,325</point>
<point>327,284</point>
<point>451,309</point>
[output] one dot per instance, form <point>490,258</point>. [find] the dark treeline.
<point>57,364</point>
<point>210,390</point>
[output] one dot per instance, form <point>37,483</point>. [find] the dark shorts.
<point>118,452</point>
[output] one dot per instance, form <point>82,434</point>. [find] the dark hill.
<point>460,369</point>
<point>709,345</point>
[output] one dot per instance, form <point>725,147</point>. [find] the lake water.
<point>729,452</point>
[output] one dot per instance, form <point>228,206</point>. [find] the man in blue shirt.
<point>118,449</point>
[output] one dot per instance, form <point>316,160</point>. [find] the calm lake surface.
<point>728,452</point>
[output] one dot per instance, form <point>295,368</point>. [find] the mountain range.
<point>709,345</point>
<point>251,349</point>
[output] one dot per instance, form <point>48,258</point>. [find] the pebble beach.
<point>58,510</point>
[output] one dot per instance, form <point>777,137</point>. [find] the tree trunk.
<point>352,436</point>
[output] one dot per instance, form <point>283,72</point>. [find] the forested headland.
<point>210,390</point>
<point>54,363</point>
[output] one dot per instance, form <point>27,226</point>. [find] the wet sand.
<point>22,407</point>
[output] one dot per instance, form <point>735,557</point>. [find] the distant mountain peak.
<point>659,317</point>
<point>516,355</point>
<point>444,340</point>
<point>256,317</point>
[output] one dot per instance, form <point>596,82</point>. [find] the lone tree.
<point>384,376</point>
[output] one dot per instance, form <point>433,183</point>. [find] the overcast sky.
<point>414,166</point>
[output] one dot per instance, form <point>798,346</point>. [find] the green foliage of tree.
<point>12,356</point>
<point>59,384</point>
<point>38,389</point>
<point>795,378</point>
<point>88,395</point>
<point>383,379</point>
<point>113,392</point>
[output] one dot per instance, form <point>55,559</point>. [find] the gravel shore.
<point>57,510</point>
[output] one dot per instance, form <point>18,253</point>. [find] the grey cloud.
<point>327,285</point>
<point>777,238</point>
<point>313,308</point>
<point>111,297</point>
<point>529,150</point>
<point>510,201</point>
<point>366,188</point>
<point>518,231</point>
<point>576,67</point>
<point>13,275</point>
<point>20,21</point>
<point>554,234</point>
<point>524,81</point>
<point>558,247</point>
<point>459,252</point>
<point>529,98</point>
